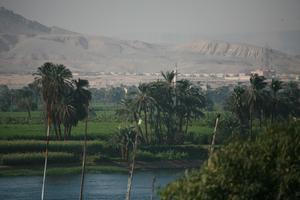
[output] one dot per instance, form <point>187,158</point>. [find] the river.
<point>97,186</point>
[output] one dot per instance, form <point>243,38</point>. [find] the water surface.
<point>97,186</point>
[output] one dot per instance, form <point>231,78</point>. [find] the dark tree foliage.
<point>66,100</point>
<point>265,168</point>
<point>265,102</point>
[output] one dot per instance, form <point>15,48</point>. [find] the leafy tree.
<point>5,98</point>
<point>264,168</point>
<point>25,99</point>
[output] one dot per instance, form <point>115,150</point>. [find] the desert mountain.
<point>26,44</point>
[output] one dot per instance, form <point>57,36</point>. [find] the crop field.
<point>22,143</point>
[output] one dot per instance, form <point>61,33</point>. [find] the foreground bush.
<point>266,168</point>
<point>38,158</point>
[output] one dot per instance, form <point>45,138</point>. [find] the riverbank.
<point>111,167</point>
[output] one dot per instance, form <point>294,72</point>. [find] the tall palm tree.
<point>53,79</point>
<point>144,103</point>
<point>190,101</point>
<point>169,105</point>
<point>159,91</point>
<point>82,97</point>
<point>239,106</point>
<point>276,85</point>
<point>255,97</point>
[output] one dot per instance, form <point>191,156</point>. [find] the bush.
<point>195,138</point>
<point>102,159</point>
<point>145,156</point>
<point>38,158</point>
<point>168,155</point>
<point>172,155</point>
<point>194,151</point>
<point>265,168</point>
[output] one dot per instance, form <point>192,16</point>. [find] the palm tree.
<point>190,102</point>
<point>144,103</point>
<point>138,122</point>
<point>255,97</point>
<point>53,79</point>
<point>276,85</point>
<point>239,106</point>
<point>169,104</point>
<point>82,98</point>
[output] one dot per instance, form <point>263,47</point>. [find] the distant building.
<point>267,73</point>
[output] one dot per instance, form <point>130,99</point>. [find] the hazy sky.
<point>128,18</point>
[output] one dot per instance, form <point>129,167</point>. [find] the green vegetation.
<point>163,120</point>
<point>37,158</point>
<point>27,146</point>
<point>167,108</point>
<point>264,168</point>
<point>97,130</point>
<point>167,155</point>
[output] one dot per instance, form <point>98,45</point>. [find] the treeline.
<point>24,99</point>
<point>111,94</point>
<point>264,102</point>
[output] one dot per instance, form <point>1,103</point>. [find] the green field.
<point>22,143</point>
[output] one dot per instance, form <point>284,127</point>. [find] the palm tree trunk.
<point>59,131</point>
<point>146,127</point>
<point>83,162</point>
<point>29,113</point>
<point>153,187</point>
<point>250,122</point>
<point>65,132</point>
<point>46,157</point>
<point>139,129</point>
<point>186,126</point>
<point>129,184</point>
<point>214,136</point>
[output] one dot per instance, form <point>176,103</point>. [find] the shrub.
<point>194,151</point>
<point>265,168</point>
<point>195,138</point>
<point>145,156</point>
<point>172,155</point>
<point>168,155</point>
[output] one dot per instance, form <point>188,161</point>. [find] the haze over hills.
<point>26,44</point>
